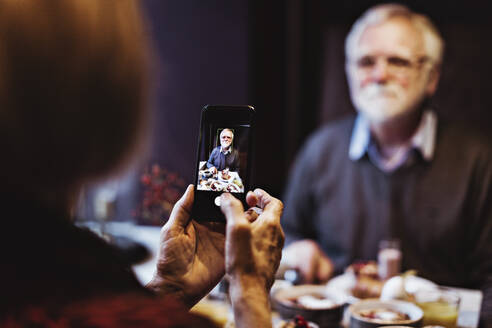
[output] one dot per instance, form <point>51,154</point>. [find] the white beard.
<point>383,102</point>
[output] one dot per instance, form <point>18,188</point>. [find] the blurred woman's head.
<point>73,92</point>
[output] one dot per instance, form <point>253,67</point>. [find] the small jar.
<point>389,258</point>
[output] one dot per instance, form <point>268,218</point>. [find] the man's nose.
<point>380,72</point>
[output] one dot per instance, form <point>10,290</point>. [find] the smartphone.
<point>223,162</point>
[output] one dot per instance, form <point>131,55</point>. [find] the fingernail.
<point>189,189</point>
<point>224,197</point>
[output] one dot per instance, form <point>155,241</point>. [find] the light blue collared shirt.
<point>228,151</point>
<point>423,141</point>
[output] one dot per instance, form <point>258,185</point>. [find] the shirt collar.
<point>228,151</point>
<point>423,140</point>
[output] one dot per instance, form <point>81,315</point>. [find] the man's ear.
<point>433,80</point>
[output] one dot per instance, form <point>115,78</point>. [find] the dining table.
<point>216,304</point>
<point>225,180</point>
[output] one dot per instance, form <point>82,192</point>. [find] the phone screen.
<point>223,158</point>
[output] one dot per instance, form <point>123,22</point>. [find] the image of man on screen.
<point>224,156</point>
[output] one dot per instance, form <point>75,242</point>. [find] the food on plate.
<point>364,268</point>
<point>367,287</point>
<point>297,322</point>
<point>375,313</point>
<point>232,188</point>
<point>360,281</point>
<point>368,284</point>
<point>225,174</point>
<point>383,314</point>
<point>394,289</point>
<point>313,302</point>
<point>238,183</point>
<point>205,184</point>
<point>216,186</point>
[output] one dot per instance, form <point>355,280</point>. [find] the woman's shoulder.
<point>123,310</point>
<point>51,259</point>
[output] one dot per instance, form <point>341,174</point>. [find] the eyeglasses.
<point>394,64</point>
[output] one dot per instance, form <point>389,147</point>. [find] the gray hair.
<point>433,42</point>
<point>227,129</point>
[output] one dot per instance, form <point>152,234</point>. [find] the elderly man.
<point>224,156</point>
<point>395,170</point>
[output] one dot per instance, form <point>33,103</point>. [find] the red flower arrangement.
<point>161,190</point>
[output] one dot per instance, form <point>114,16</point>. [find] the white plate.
<point>234,188</point>
<point>217,186</point>
<point>413,311</point>
<point>231,177</point>
<point>469,304</point>
<point>285,293</point>
<point>344,283</point>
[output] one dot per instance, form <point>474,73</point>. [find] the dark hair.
<point>73,90</point>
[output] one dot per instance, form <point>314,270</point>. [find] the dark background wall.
<point>202,54</point>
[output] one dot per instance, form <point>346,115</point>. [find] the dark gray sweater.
<point>440,210</point>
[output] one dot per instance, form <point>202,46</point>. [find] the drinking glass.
<point>440,306</point>
<point>389,258</point>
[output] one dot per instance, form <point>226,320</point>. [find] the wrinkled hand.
<point>253,243</point>
<point>307,257</point>
<point>191,255</point>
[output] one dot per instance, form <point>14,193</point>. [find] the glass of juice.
<point>440,306</point>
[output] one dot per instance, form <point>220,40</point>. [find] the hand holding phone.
<point>223,158</point>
